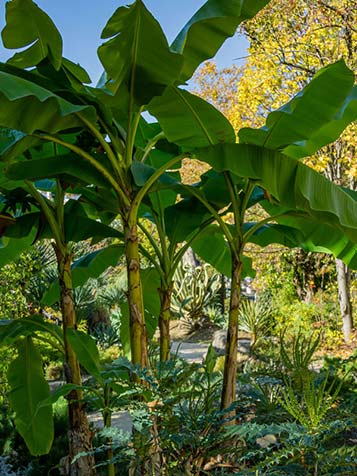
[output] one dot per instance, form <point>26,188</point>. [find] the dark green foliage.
<point>12,443</point>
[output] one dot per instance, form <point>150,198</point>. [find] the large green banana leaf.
<point>207,30</point>
<point>317,236</point>
<point>315,117</point>
<point>183,218</point>
<point>28,25</point>
<point>28,107</point>
<point>11,330</point>
<point>328,132</point>
<point>11,249</point>
<point>86,350</point>
<point>57,166</point>
<point>137,53</point>
<point>212,247</point>
<point>290,183</point>
<point>28,387</point>
<point>189,121</point>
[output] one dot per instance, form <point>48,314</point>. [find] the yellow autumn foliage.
<point>289,41</point>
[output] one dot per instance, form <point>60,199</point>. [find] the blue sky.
<point>81,22</point>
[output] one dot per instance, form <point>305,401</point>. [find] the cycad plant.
<point>255,318</point>
<point>296,356</point>
<point>310,406</point>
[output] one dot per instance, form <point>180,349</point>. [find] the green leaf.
<point>212,247</point>
<point>91,265</point>
<point>313,118</point>
<point>213,188</point>
<point>86,351</point>
<point>207,30</point>
<point>184,218</point>
<point>28,107</point>
<point>76,71</point>
<point>189,121</point>
<point>28,25</point>
<point>59,392</point>
<point>137,53</point>
<point>142,172</point>
<point>23,225</point>
<point>11,248</point>
<point>157,202</point>
<point>272,233</point>
<point>101,199</point>
<point>68,165</point>
<point>28,387</point>
<point>145,132</point>
<point>329,132</point>
<point>78,228</point>
<point>290,183</point>
<point>11,330</point>
<point>210,360</point>
<point>313,235</point>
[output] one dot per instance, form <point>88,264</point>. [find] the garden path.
<point>192,352</point>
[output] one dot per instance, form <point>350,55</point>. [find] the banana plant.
<point>101,130</point>
<point>322,215</point>
<point>49,214</point>
<point>168,248</point>
<point>43,96</point>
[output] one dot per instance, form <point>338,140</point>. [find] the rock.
<point>266,441</point>
<point>220,339</point>
<point>244,346</point>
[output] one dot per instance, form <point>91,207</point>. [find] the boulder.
<point>220,339</point>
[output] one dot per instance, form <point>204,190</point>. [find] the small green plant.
<point>255,319</point>
<point>262,395</point>
<point>105,335</point>
<point>316,399</point>
<point>296,355</point>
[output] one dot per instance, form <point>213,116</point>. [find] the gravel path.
<point>192,352</point>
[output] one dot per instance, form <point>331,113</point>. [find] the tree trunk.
<point>138,334</point>
<point>344,297</point>
<point>79,434</point>
<point>230,364</point>
<point>164,322</point>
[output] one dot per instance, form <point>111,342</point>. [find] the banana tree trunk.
<point>230,364</point>
<point>344,297</point>
<point>164,322</point>
<point>79,434</point>
<point>138,333</point>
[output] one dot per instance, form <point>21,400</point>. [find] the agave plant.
<point>195,290</point>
